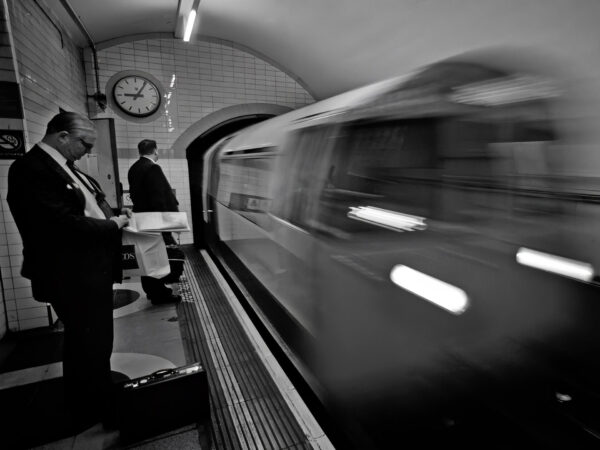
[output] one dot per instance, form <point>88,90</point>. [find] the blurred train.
<point>432,269</point>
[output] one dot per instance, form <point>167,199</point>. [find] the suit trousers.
<point>155,287</point>
<point>87,347</point>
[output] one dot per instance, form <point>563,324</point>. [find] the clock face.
<point>136,96</point>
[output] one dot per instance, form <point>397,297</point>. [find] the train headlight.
<point>555,264</point>
<point>438,292</point>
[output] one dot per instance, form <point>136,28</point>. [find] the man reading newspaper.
<point>150,191</point>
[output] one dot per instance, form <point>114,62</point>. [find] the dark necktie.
<point>94,188</point>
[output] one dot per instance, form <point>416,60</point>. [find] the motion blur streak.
<point>506,90</point>
<point>555,264</point>
<point>388,219</point>
<point>432,181</point>
<point>439,293</point>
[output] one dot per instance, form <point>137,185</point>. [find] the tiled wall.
<point>198,78</point>
<point>50,66</point>
<point>51,75</point>
<point>7,73</point>
<point>201,78</point>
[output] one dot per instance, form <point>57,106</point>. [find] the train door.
<point>299,174</point>
<point>210,182</point>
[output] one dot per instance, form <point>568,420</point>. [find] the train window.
<point>244,183</point>
<point>392,151</point>
<point>496,166</point>
<point>389,165</point>
<point>302,166</point>
<point>452,169</point>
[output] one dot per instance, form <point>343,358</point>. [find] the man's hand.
<point>121,220</point>
<point>127,212</point>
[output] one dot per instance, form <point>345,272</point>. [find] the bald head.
<point>70,122</point>
<point>72,134</point>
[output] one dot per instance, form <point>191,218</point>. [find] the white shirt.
<point>91,205</point>
<point>148,157</point>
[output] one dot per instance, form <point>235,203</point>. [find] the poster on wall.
<point>12,144</point>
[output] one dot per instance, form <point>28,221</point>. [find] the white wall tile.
<point>208,76</point>
<point>51,76</point>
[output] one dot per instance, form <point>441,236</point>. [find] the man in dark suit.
<point>150,191</point>
<point>71,254</point>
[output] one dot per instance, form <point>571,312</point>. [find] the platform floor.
<point>253,404</point>
<point>147,338</point>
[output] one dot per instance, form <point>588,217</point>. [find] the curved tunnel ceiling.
<point>333,46</point>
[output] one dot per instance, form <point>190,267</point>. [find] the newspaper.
<point>152,222</point>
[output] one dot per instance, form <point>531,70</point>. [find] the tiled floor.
<point>147,338</point>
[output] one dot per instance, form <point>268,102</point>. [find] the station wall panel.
<point>51,75</point>
<point>198,78</point>
<point>7,73</point>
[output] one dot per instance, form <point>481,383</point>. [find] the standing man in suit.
<point>71,254</point>
<point>150,191</point>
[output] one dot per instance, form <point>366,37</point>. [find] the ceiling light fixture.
<point>189,26</point>
<point>191,19</point>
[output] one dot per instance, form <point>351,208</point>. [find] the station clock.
<point>135,95</point>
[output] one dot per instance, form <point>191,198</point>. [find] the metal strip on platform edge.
<point>311,428</point>
<point>248,410</point>
<point>235,342</point>
<point>226,393</point>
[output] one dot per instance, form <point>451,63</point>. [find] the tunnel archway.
<point>195,156</point>
<point>206,132</point>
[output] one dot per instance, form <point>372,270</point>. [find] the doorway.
<point>195,157</point>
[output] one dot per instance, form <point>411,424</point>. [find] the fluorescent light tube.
<point>189,26</point>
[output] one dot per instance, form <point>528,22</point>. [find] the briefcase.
<point>163,401</point>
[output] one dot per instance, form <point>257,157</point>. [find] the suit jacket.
<point>149,188</point>
<point>66,255</point>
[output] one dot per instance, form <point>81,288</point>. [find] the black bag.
<point>163,401</point>
<point>176,259</point>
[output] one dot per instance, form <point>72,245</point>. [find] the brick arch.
<point>210,121</point>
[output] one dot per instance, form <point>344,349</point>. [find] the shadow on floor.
<point>32,395</point>
<point>35,413</point>
<point>31,348</point>
<point>42,346</point>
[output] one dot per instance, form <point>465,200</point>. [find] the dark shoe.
<point>165,292</point>
<point>166,299</point>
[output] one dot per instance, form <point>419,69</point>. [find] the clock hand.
<point>133,95</point>
<point>138,93</point>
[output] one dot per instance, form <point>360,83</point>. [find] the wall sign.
<point>12,144</point>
